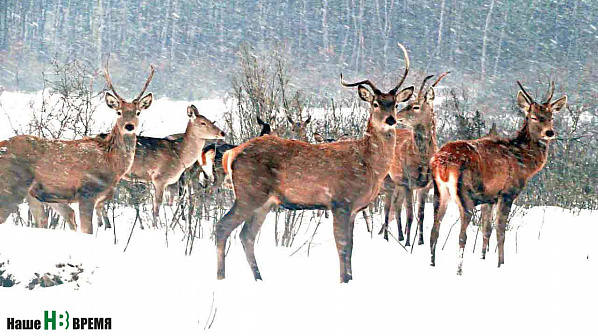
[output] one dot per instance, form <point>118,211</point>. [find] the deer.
<point>343,177</point>
<point>492,171</point>
<point>83,171</point>
<point>210,161</point>
<point>410,172</point>
<point>298,128</point>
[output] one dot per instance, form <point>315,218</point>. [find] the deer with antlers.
<point>343,177</point>
<point>82,171</point>
<point>410,172</point>
<point>492,171</point>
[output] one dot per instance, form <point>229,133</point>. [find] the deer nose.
<point>391,121</point>
<point>222,134</point>
<point>130,127</point>
<point>550,133</point>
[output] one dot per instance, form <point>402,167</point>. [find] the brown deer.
<point>343,177</point>
<point>492,171</point>
<point>298,128</point>
<point>410,172</point>
<point>82,171</point>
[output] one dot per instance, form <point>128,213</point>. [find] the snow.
<point>547,286</point>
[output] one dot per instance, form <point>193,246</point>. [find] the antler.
<point>525,92</point>
<point>440,78</point>
<point>366,82</point>
<point>396,88</point>
<point>109,82</point>
<point>149,79</point>
<point>419,93</point>
<point>550,93</point>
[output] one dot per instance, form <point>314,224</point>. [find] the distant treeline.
<point>488,44</point>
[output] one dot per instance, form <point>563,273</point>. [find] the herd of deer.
<point>341,176</point>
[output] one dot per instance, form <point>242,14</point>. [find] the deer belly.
<point>52,194</point>
<point>305,197</point>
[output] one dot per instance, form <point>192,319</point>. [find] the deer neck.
<point>379,150</point>
<point>121,150</point>
<point>534,150</point>
<point>424,142</point>
<point>190,147</point>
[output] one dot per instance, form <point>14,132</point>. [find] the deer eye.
<point>416,107</point>
<point>534,118</point>
<point>203,123</point>
<point>138,112</point>
<point>119,112</point>
<point>376,105</point>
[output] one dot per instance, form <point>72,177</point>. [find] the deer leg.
<point>409,210</point>
<point>441,198</point>
<point>421,204</point>
<point>466,210</point>
<point>248,234</point>
<point>159,195</point>
<point>67,213</point>
<point>390,194</point>
<point>504,208</point>
<point>343,236</point>
<point>233,218</point>
<point>486,218</point>
<point>37,210</point>
<point>86,215</point>
<point>102,215</point>
<point>399,199</point>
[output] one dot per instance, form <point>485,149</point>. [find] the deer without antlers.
<point>410,172</point>
<point>341,176</point>
<point>82,171</point>
<point>491,171</point>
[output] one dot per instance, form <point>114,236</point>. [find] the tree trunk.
<point>485,40</point>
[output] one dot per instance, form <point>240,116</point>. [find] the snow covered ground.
<point>547,286</point>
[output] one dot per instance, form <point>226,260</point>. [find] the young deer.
<point>82,171</point>
<point>341,176</point>
<point>492,171</point>
<point>410,171</point>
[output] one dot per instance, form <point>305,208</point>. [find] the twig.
<point>209,323</point>
<point>449,233</point>
<point>542,225</point>
<point>133,227</point>
<point>476,239</point>
<point>395,238</point>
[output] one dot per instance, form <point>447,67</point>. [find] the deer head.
<point>128,113</point>
<point>298,128</point>
<point>383,106</point>
<point>538,116</point>
<point>421,110</point>
<point>204,128</point>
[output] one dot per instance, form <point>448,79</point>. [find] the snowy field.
<point>548,285</point>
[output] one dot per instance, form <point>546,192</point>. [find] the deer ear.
<point>365,94</point>
<point>307,121</point>
<point>430,95</point>
<point>523,102</point>
<point>559,104</point>
<point>192,112</point>
<point>111,101</point>
<point>405,94</point>
<point>318,138</point>
<point>146,101</point>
